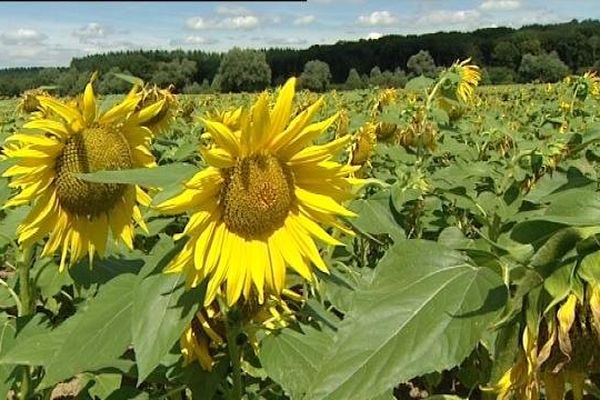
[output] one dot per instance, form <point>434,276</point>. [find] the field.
<point>470,269</point>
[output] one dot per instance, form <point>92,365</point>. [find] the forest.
<point>545,53</point>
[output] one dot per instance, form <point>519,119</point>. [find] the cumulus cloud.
<point>304,20</point>
<point>446,17</point>
<point>286,41</point>
<point>232,10</point>
<point>374,35</point>
<point>378,18</point>
<point>22,36</point>
<point>243,22</point>
<point>500,5</point>
<point>92,31</point>
<point>193,40</point>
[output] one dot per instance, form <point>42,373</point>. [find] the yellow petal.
<point>280,116</point>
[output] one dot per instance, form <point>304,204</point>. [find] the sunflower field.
<point>440,241</point>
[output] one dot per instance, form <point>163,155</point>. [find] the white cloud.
<point>22,36</point>
<point>237,22</point>
<point>232,10</point>
<point>374,35</point>
<point>92,31</point>
<point>500,5</point>
<point>304,20</point>
<point>445,17</point>
<point>378,18</point>
<point>193,40</point>
<point>287,41</point>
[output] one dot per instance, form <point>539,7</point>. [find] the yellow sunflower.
<point>462,79</point>
<point>256,208</point>
<point>70,139</point>
<point>166,103</point>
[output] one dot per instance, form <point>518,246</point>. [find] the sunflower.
<point>70,139</point>
<point>167,105</point>
<point>28,103</point>
<point>460,80</point>
<point>206,334</point>
<point>256,208</point>
<point>364,144</point>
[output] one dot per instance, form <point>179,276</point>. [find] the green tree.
<point>506,54</point>
<point>244,70</point>
<point>178,72</point>
<point>316,76</point>
<point>422,64</point>
<point>547,67</point>
<point>353,81</point>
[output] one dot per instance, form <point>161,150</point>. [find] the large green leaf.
<point>97,335</point>
<point>425,310</point>
<point>162,308</point>
<point>160,176</point>
<point>291,358</point>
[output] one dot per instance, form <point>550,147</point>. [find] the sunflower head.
<point>364,144</point>
<point>29,103</point>
<point>587,85</point>
<point>386,131</point>
<point>460,80</point>
<point>258,206</point>
<point>229,118</point>
<point>166,103</point>
<point>71,138</point>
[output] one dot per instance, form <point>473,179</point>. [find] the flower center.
<point>94,149</point>
<point>257,195</point>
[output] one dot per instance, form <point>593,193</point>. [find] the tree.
<point>547,67</point>
<point>316,76</point>
<point>109,83</point>
<point>178,72</point>
<point>353,81</point>
<point>422,64</point>
<point>506,54</point>
<point>244,70</point>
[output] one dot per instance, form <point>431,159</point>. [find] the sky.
<point>51,33</point>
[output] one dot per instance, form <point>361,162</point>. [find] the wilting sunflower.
<point>74,138</point>
<point>256,208</point>
<point>166,103</point>
<point>460,80</point>
<point>206,335</point>
<point>28,103</point>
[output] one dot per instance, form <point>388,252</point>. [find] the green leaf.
<point>98,334</point>
<point>375,217</point>
<point>104,385</point>
<point>419,84</point>
<point>292,358</point>
<point>162,309</point>
<point>430,306</point>
<point>575,207</point>
<point>161,176</point>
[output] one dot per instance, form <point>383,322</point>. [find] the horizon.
<point>29,39</point>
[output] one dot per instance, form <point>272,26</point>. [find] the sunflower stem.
<point>24,259</point>
<point>234,328</point>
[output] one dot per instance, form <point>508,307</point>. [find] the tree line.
<point>544,53</point>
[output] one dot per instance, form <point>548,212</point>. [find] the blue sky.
<point>51,33</point>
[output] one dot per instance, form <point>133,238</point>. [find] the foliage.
<point>316,76</point>
<point>244,70</point>
<point>478,223</point>
<point>546,67</point>
<point>422,64</point>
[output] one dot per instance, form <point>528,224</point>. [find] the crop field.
<point>440,241</point>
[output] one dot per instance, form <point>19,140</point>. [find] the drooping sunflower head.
<point>29,103</point>
<point>460,80</point>
<point>384,98</point>
<point>364,144</point>
<point>205,336</point>
<point>587,85</point>
<point>51,152</point>
<point>164,101</point>
<point>229,118</point>
<point>258,206</point>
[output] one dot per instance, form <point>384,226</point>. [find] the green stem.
<point>27,307</point>
<point>233,330</point>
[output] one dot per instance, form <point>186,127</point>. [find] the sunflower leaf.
<point>430,305</point>
<point>161,176</point>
